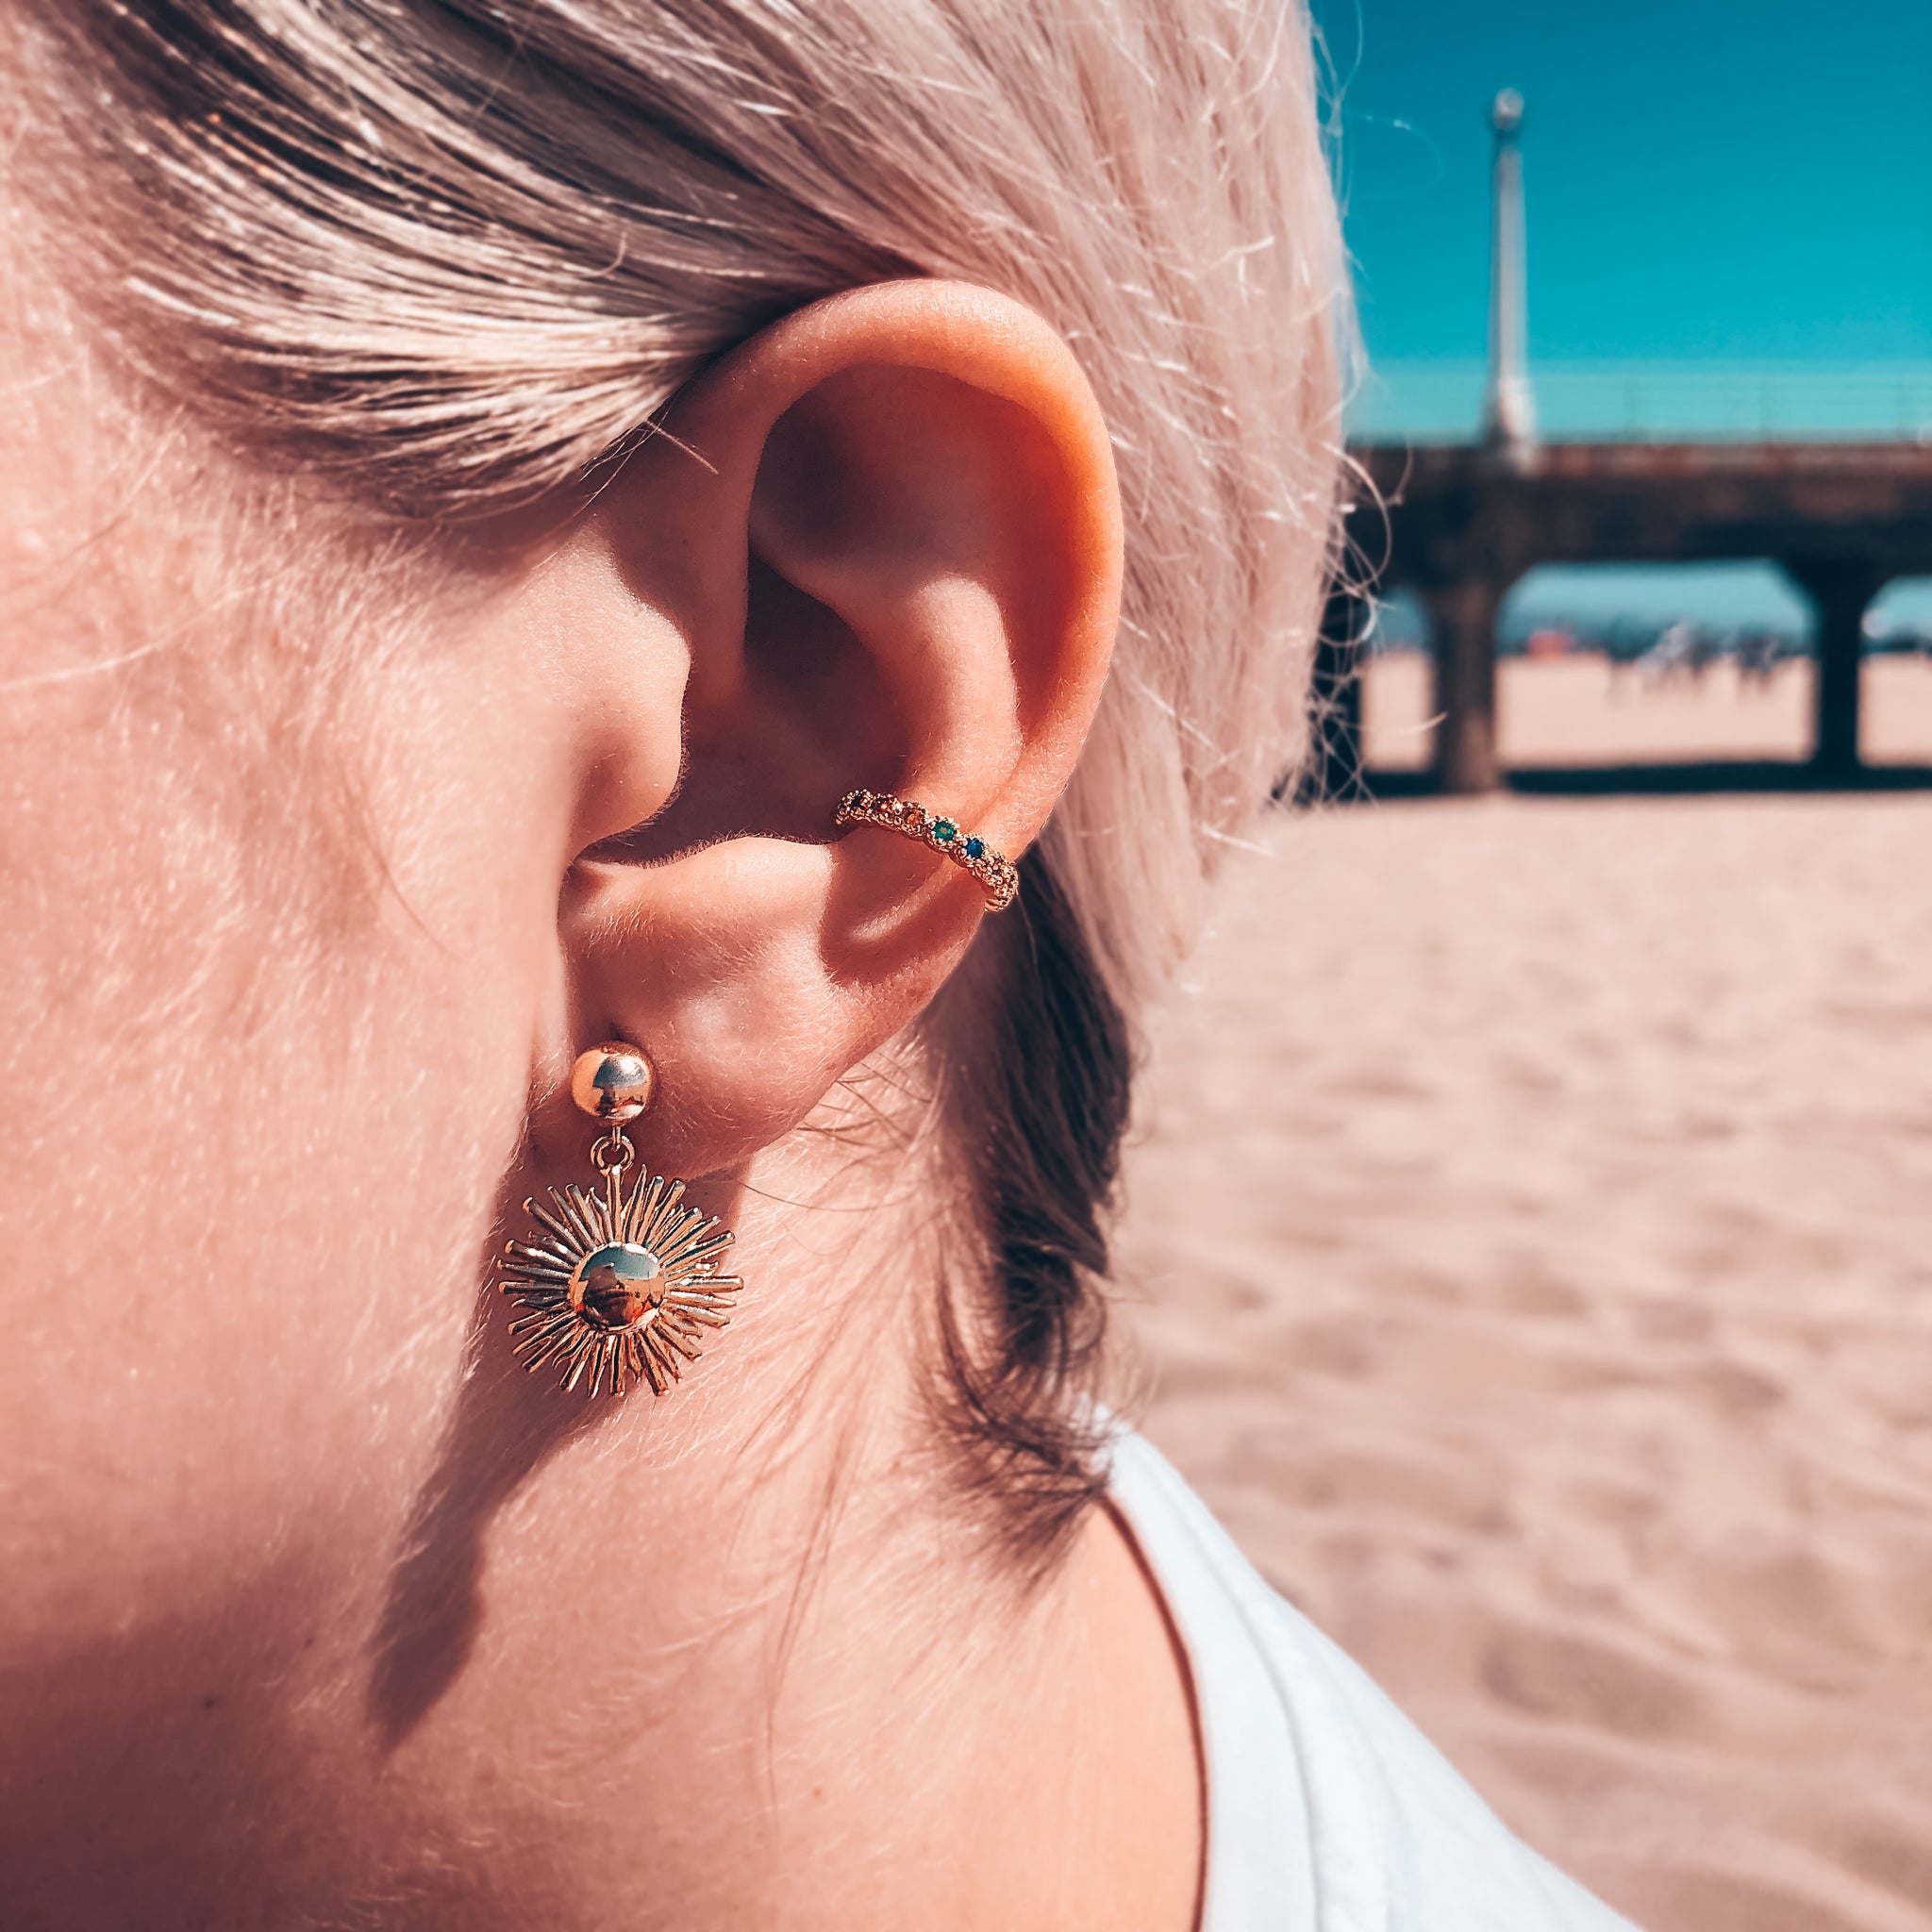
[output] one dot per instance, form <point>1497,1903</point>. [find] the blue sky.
<point>1733,181</point>
<point>1730,230</point>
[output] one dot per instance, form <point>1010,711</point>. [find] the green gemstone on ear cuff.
<point>944,830</point>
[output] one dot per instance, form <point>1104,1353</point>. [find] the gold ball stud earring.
<point>613,1082</point>
<point>620,1284</point>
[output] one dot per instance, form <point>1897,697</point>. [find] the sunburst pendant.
<point>619,1287</point>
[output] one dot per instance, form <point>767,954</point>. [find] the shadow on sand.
<point>1658,780</point>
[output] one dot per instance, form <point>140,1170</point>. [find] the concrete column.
<point>1842,588</point>
<point>1463,616</point>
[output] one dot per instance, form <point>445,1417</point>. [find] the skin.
<point>317,866</point>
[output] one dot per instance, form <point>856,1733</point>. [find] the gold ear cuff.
<point>966,850</point>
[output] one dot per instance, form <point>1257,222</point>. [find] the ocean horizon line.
<point>1440,399</point>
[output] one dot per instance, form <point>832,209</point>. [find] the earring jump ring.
<point>967,849</point>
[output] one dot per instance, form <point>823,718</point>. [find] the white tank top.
<point>1328,1810</point>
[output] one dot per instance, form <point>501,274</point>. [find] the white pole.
<point>1508,410</point>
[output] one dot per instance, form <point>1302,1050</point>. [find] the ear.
<point>877,545</point>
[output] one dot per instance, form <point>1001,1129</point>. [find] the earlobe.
<point>887,533</point>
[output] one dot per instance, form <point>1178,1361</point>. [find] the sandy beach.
<point>1587,710</point>
<point>1529,1251</point>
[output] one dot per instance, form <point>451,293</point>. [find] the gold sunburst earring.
<point>618,1285</point>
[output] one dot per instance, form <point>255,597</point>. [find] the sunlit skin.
<point>317,868</point>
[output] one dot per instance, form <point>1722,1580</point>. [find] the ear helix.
<point>618,1285</point>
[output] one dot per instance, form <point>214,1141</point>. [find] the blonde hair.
<point>459,252</point>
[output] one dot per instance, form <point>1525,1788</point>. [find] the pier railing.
<point>1441,401</point>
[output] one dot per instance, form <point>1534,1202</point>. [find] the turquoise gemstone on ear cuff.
<point>944,830</point>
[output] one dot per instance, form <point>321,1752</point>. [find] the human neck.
<point>745,1656</point>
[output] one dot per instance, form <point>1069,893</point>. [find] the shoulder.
<point>1326,1808</point>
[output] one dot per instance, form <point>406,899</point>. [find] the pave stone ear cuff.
<point>970,853</point>
<point>620,1285</point>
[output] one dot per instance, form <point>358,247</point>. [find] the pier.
<point>1461,524</point>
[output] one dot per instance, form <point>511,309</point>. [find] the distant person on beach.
<point>1679,651</point>
<point>556,556</point>
<point>1758,658</point>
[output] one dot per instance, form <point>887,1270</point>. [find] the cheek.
<point>265,1080</point>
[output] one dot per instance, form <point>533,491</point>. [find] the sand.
<point>1585,710</point>
<point>1530,1239</point>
